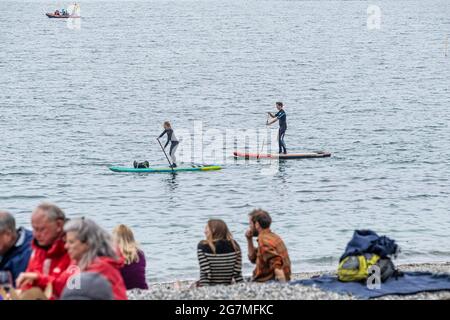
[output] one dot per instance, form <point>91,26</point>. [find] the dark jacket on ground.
<point>367,241</point>
<point>16,259</point>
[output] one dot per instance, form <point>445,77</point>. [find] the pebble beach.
<point>181,290</point>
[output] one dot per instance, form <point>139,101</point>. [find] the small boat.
<point>60,16</point>
<point>306,155</point>
<point>165,170</point>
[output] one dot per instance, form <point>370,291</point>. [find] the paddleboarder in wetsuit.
<point>281,117</point>
<point>173,142</point>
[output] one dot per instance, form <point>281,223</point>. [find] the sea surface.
<point>369,84</point>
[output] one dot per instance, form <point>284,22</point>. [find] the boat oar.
<point>264,139</point>
<point>171,166</point>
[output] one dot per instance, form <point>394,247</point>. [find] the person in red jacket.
<point>49,259</point>
<point>91,250</point>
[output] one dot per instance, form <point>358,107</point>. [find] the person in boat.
<point>173,142</point>
<point>281,117</point>
<point>57,13</point>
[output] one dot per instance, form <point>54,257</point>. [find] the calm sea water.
<point>74,101</point>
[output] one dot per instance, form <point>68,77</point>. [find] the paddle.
<point>171,166</point>
<point>264,139</point>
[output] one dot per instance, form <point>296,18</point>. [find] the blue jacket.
<point>367,241</point>
<point>16,259</point>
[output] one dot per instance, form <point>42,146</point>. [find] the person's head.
<point>8,233</point>
<point>92,286</point>
<point>47,221</point>
<point>215,230</point>
<point>279,105</point>
<point>123,239</point>
<point>86,241</point>
<point>259,220</point>
<point>167,125</point>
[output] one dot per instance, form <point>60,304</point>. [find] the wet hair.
<point>53,212</point>
<point>262,217</point>
<point>124,240</point>
<point>219,231</point>
<point>7,222</point>
<point>99,241</point>
<point>280,104</point>
<point>167,124</point>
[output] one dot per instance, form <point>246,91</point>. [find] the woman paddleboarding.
<point>281,117</point>
<point>173,142</point>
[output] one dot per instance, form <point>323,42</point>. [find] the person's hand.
<point>26,278</point>
<point>279,275</point>
<point>249,234</point>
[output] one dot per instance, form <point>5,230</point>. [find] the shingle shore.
<point>249,291</point>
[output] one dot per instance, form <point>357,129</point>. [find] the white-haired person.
<point>91,249</point>
<point>49,259</point>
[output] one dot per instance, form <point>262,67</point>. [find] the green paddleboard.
<point>164,170</point>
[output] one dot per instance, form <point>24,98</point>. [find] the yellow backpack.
<point>355,268</point>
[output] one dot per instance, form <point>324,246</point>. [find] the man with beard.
<point>271,256</point>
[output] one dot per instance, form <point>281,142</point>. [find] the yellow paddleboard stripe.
<point>211,168</point>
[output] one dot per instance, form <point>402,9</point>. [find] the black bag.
<point>141,165</point>
<point>387,269</point>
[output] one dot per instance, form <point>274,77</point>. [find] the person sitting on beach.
<point>15,246</point>
<point>49,258</point>
<point>133,273</point>
<point>271,256</point>
<point>219,256</point>
<point>91,249</point>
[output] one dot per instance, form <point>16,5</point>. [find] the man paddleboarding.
<point>281,117</point>
<point>173,142</point>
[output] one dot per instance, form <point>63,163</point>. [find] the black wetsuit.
<point>281,116</point>
<point>173,143</point>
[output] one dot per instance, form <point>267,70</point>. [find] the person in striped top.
<point>219,256</point>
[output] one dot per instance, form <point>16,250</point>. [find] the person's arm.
<point>279,275</point>
<point>22,264</point>
<point>272,121</point>
<point>28,279</point>
<point>163,133</point>
<point>204,266</point>
<point>271,256</point>
<point>271,114</point>
<point>237,271</point>
<point>250,246</point>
